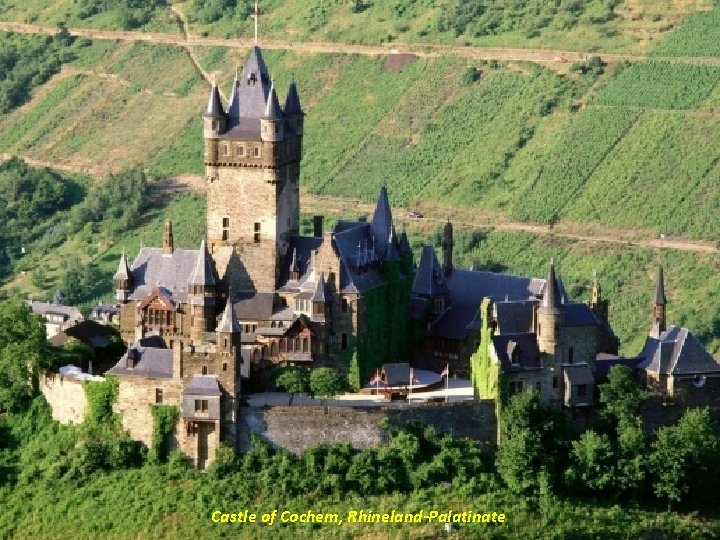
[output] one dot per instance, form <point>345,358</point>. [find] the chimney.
<point>177,359</point>
<point>318,226</point>
<point>168,243</point>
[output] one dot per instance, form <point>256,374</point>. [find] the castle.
<point>204,326</point>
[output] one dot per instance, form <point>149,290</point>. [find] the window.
<point>283,345</point>
<point>204,370</point>
<point>516,387</point>
<point>555,382</point>
<point>225,228</point>
<point>201,405</point>
<point>256,151</point>
<point>214,125</point>
<point>256,238</point>
<point>343,341</point>
<point>344,305</point>
<point>274,349</point>
<point>226,149</point>
<point>305,345</point>
<point>240,150</point>
<point>571,355</point>
<point>539,329</point>
<point>158,395</point>
<point>582,390</point>
<point>224,366</point>
<point>538,386</point>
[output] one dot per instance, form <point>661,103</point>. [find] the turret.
<point>659,324</point>
<point>214,124</point>
<point>168,240</point>
<point>201,292</point>
<point>597,303</point>
<point>233,112</point>
<point>447,246</point>
<point>123,280</point>
<point>549,315</point>
<point>228,330</point>
<point>320,305</point>
<point>293,110</point>
<point>271,123</point>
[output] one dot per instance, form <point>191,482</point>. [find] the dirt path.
<point>546,56</point>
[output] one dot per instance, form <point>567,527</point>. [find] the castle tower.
<point>214,124</point>
<point>228,331</point>
<point>201,292</point>
<point>659,324</point>
<point>597,303</point>
<point>549,315</point>
<point>123,280</point>
<point>253,195</point>
<point>447,246</point>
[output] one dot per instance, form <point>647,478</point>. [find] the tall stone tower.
<point>659,324</point>
<point>252,163</point>
<point>549,316</point>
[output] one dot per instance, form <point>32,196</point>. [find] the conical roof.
<point>381,222</point>
<point>292,101</point>
<point>234,104</point>
<point>659,298</point>
<point>393,250</point>
<point>319,292</point>
<point>203,273</point>
<point>294,266</point>
<point>272,107</point>
<point>123,271</point>
<point>254,86</point>
<point>228,322</point>
<point>551,295</point>
<point>404,245</point>
<point>214,107</point>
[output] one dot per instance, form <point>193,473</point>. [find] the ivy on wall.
<point>164,420</point>
<point>100,397</point>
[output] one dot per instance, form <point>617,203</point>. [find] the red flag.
<point>413,379</point>
<point>376,378</point>
<point>446,371</point>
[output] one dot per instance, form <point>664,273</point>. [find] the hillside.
<point>580,146</point>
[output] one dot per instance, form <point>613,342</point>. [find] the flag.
<point>376,378</point>
<point>446,371</point>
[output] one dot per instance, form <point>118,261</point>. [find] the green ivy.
<point>164,420</point>
<point>100,397</point>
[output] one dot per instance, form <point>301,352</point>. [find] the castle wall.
<point>296,428</point>
<point>66,397</point>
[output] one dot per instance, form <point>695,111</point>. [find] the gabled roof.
<point>577,314</point>
<point>228,322</point>
<point>514,316</point>
<point>149,362</point>
<point>677,352</point>
<point>254,306</point>
<point>429,277</point>
<point>203,271</point>
<point>214,107</point>
<point>292,101</point>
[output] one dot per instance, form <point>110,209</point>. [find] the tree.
<point>325,383</point>
<point>593,464</point>
<point>621,395</point>
<point>354,376</point>
<point>292,379</point>
<point>684,457</point>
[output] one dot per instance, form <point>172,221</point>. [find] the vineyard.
<point>699,35</point>
<point>660,85</point>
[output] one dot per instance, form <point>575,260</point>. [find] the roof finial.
<point>255,15</point>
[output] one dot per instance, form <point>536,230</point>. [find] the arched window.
<point>297,344</point>
<point>265,352</point>
<point>256,356</point>
<point>274,349</point>
<point>283,345</point>
<point>305,345</point>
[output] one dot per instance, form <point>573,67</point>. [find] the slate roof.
<point>254,306</point>
<point>203,385</point>
<point>50,308</point>
<point>578,374</point>
<point>228,322</point>
<point>203,271</point>
<point>381,223</point>
<point>514,316</point>
<point>677,352</point>
<point>253,97</point>
<point>292,101</point>
<point>429,277</point>
<point>604,362</point>
<point>151,268</point>
<point>319,293</point>
<point>123,271</point>
<point>272,107</point>
<point>526,345</point>
<point>578,314</point>
<point>150,362</point>
<point>214,107</point>
<point>301,247</point>
<point>551,295</point>
<point>233,110</point>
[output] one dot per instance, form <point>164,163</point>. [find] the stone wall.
<point>66,397</point>
<point>299,427</point>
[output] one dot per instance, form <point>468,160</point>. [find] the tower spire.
<point>658,310</point>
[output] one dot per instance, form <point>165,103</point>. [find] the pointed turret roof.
<point>292,101</point>
<point>319,293</point>
<point>404,245</point>
<point>551,295</point>
<point>123,271</point>
<point>659,298</point>
<point>254,86</point>
<point>294,266</point>
<point>214,107</point>
<point>381,222</point>
<point>393,250</point>
<point>272,108</point>
<point>233,111</point>
<point>228,323</point>
<point>203,273</point>
<point>429,278</point>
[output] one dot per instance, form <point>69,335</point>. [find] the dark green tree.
<point>292,379</point>
<point>325,383</point>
